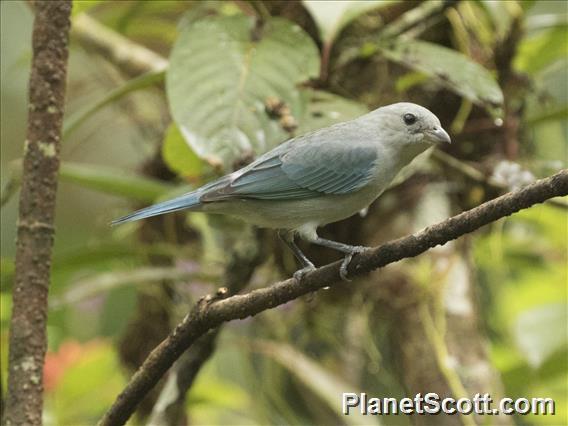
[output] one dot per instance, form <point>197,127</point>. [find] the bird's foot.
<point>299,274</point>
<point>347,260</point>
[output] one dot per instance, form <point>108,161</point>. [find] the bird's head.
<point>409,123</point>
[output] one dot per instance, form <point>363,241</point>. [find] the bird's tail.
<point>182,202</point>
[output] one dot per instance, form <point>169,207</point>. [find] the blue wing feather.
<point>184,202</point>
<point>323,162</point>
<point>306,167</point>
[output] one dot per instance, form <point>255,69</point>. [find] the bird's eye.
<point>409,119</point>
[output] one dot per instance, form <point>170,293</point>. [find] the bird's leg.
<point>307,266</point>
<point>349,251</point>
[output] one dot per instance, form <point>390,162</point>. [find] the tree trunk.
<point>24,402</point>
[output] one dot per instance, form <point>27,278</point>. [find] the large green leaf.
<point>100,178</point>
<point>113,181</point>
<point>332,17</point>
<point>449,68</point>
<point>325,109</point>
<point>223,70</point>
<point>179,157</point>
<point>541,331</point>
<point>538,52</point>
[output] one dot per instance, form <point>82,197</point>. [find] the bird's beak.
<point>437,134</point>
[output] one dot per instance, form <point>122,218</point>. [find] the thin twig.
<point>130,57</point>
<point>475,175</point>
<point>28,341</point>
<point>210,313</point>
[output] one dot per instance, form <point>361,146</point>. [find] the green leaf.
<point>325,109</point>
<point>7,268</point>
<point>211,390</point>
<point>542,331</point>
<point>222,71</point>
<point>326,385</point>
<point>217,399</point>
<point>89,256</point>
<point>409,80</point>
<point>80,6</point>
<point>178,155</point>
<point>557,112</point>
<point>5,308</point>
<point>450,69</point>
<point>113,181</point>
<point>91,286</point>
<point>100,178</point>
<point>332,17</point>
<point>502,15</point>
<point>77,398</point>
<point>536,53</point>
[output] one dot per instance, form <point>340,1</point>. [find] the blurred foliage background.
<point>166,95</point>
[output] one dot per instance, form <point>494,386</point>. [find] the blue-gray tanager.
<point>318,178</point>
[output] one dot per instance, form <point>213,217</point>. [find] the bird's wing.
<point>301,168</point>
<point>335,167</point>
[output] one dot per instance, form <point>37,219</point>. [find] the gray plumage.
<point>318,178</point>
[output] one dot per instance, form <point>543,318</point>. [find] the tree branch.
<point>24,402</point>
<point>209,313</point>
<point>130,57</point>
<point>475,175</point>
<point>170,407</point>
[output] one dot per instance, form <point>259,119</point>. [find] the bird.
<point>317,178</point>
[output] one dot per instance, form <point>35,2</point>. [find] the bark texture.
<point>210,312</point>
<point>24,401</point>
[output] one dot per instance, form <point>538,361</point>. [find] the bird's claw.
<point>347,260</point>
<point>299,274</point>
